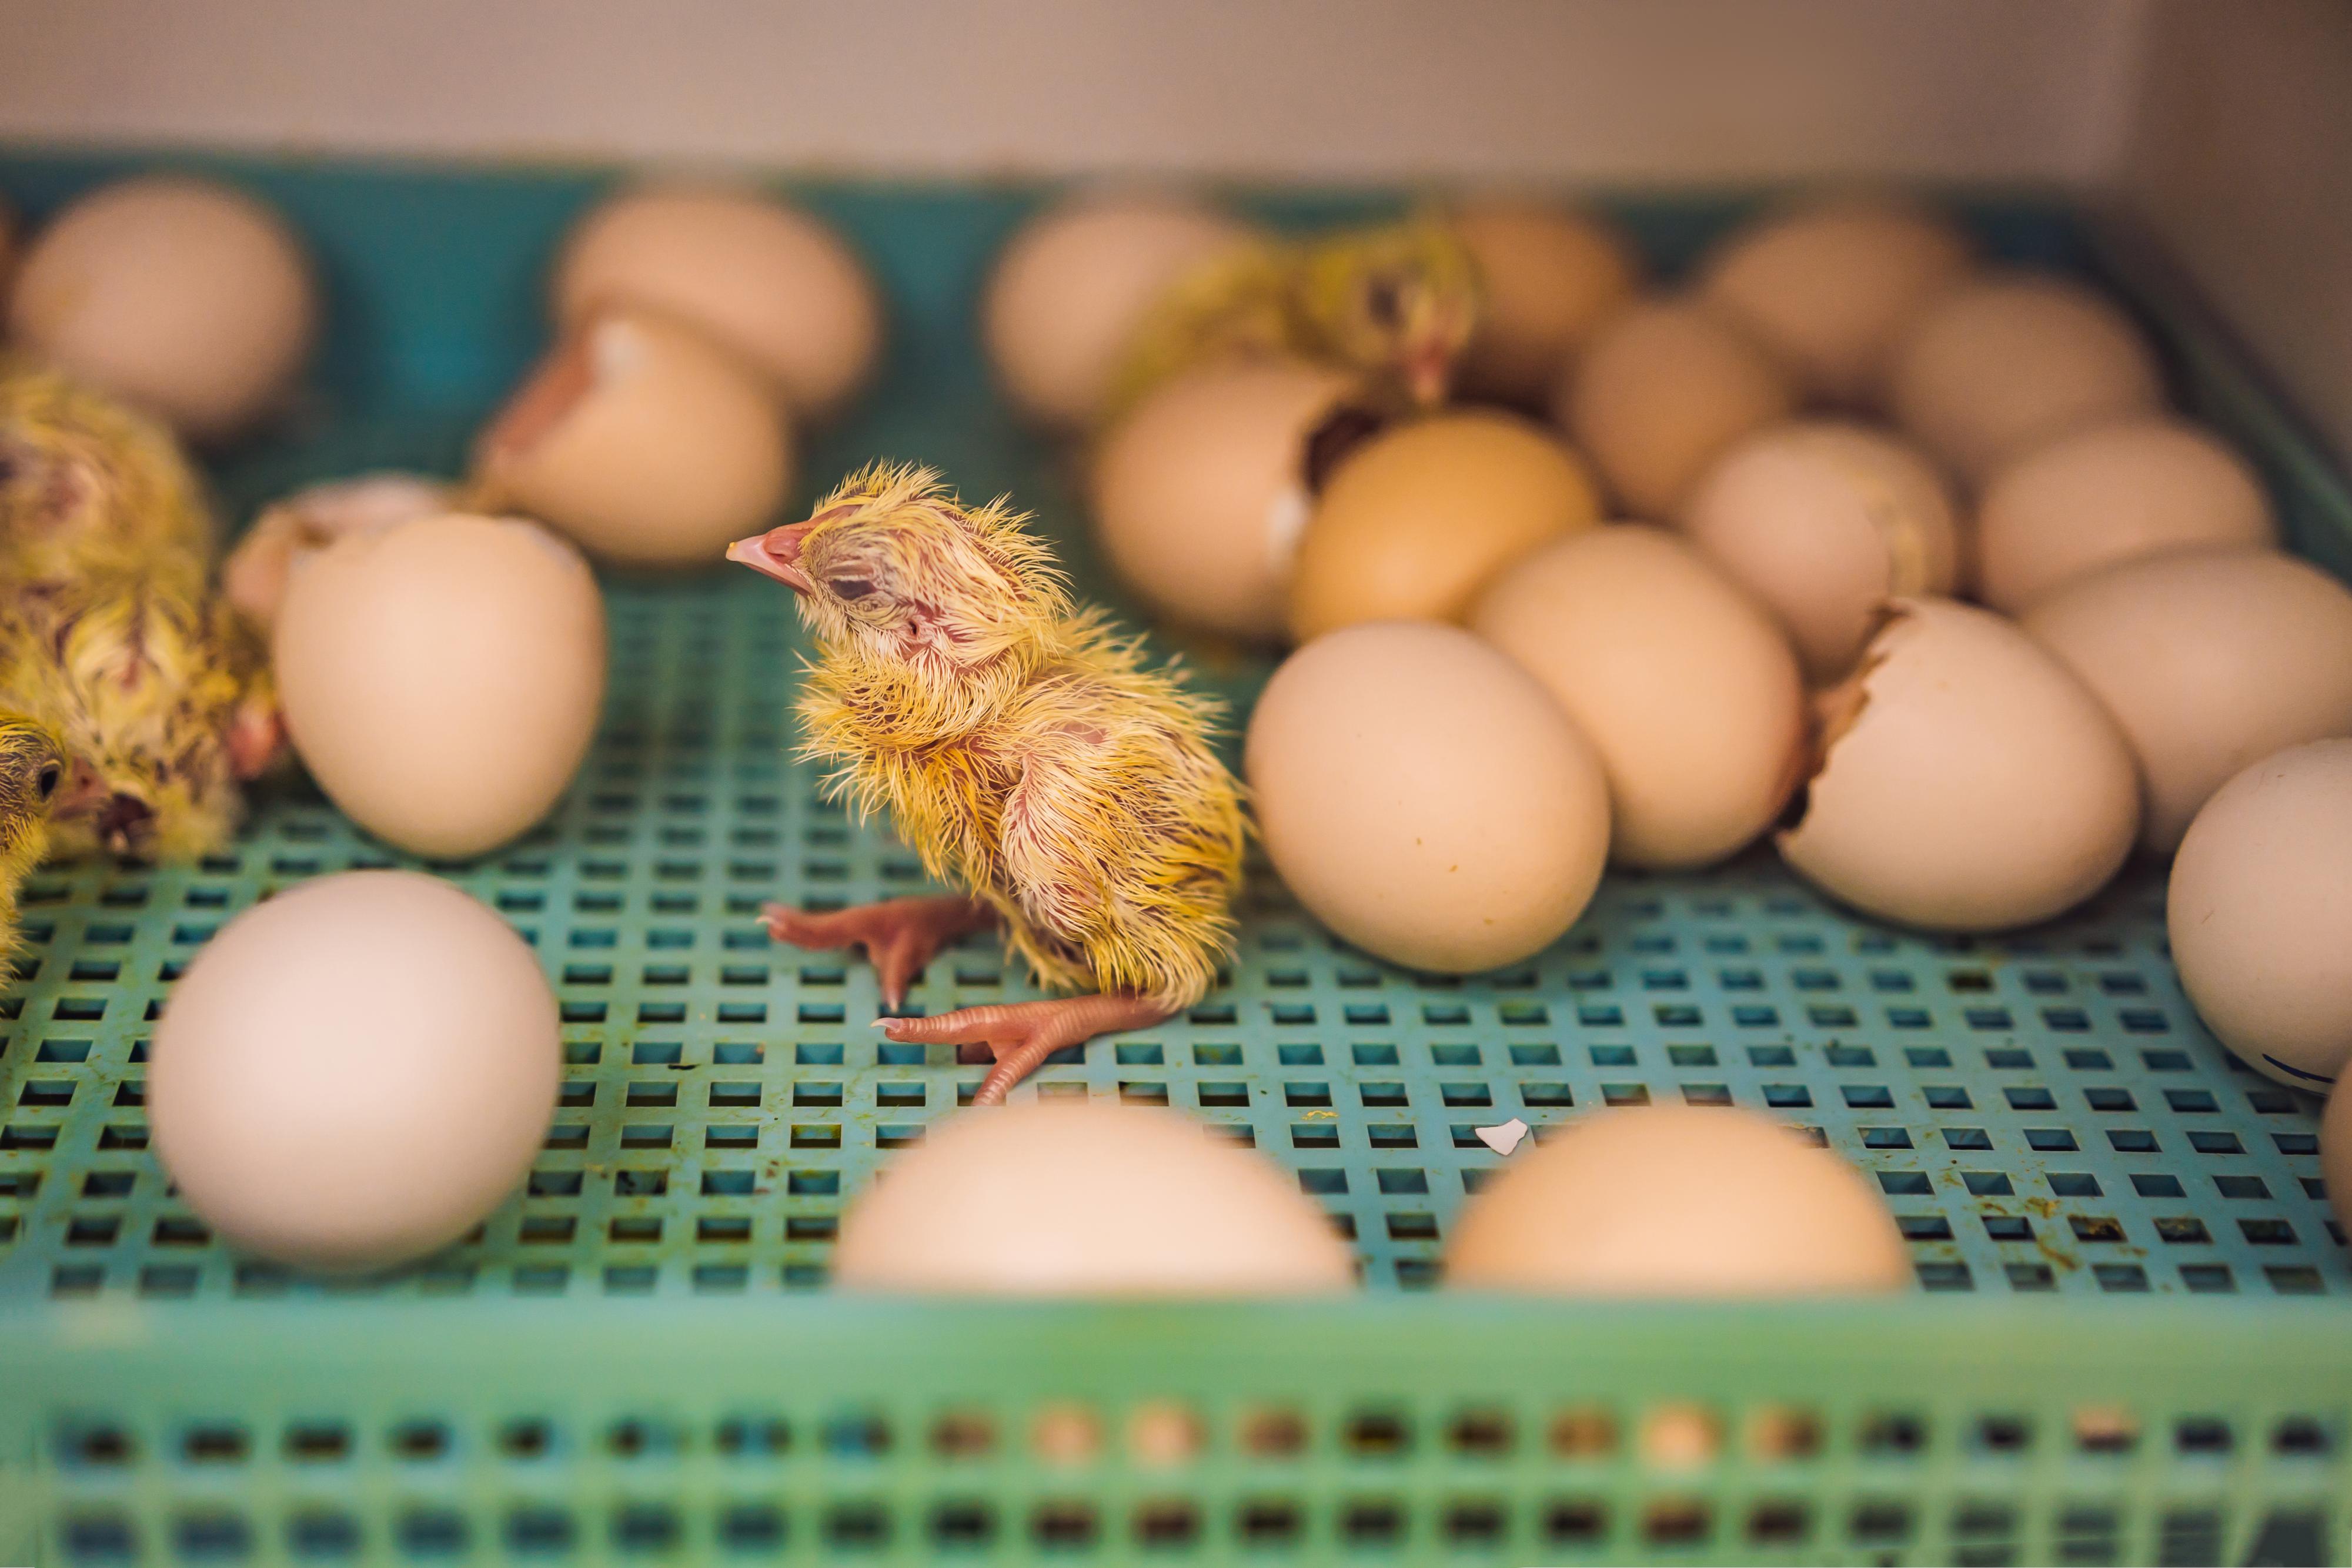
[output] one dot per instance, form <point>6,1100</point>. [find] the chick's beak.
<point>1428,369</point>
<point>777,554</point>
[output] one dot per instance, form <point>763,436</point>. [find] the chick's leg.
<point>1023,1034</point>
<point>899,935</point>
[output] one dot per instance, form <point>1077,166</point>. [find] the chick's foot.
<point>899,935</point>
<point>1023,1034</point>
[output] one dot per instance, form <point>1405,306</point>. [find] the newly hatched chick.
<point>1024,750</point>
<point>1395,305</point>
<point>32,766</point>
<point>84,478</point>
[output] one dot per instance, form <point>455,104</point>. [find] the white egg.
<point>177,293</point>
<point>356,1071</point>
<point>2209,659</point>
<point>1967,782</point>
<point>1825,523</point>
<point>1830,286</point>
<point>2113,493</point>
<point>2260,914</point>
<point>1053,1199</point>
<point>1996,367</point>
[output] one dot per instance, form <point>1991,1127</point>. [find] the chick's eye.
<point>48,782</point>
<point>1384,302</point>
<point>848,588</point>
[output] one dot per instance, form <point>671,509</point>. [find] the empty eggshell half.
<point>1550,275</point>
<point>1199,494</point>
<point>1073,285</point>
<point>2209,660</point>
<point>2113,493</point>
<point>355,1071</point>
<point>1830,286</point>
<point>770,282</point>
<point>1415,520</point>
<point>179,294</point>
<point>1425,798</point>
<point>643,441</point>
<point>1677,1200</point>
<point>2260,914</point>
<point>1967,782</point>
<point>1825,522</point>
<point>441,677</point>
<point>1996,367</point>
<point>1680,680</point>
<point>1055,1199</point>
<point>1664,387</point>
<point>253,578</point>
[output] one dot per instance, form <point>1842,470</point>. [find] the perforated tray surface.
<point>631,1356</point>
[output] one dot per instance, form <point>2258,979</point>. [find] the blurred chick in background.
<point>1023,750</point>
<point>32,766</point>
<point>110,632</point>
<point>1395,305</point>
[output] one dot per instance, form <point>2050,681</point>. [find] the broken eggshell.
<point>255,576</point>
<point>1967,782</point>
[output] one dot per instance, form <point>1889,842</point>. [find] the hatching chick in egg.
<point>1394,305</point>
<point>32,765</point>
<point>1024,751</point>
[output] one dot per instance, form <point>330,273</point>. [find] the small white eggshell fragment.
<point>761,277</point>
<point>1073,284</point>
<point>441,677</point>
<point>645,442</point>
<point>2209,659</point>
<point>288,531</point>
<point>1550,274</point>
<point>1825,523</point>
<point>1677,1200</point>
<point>1830,286</point>
<point>1199,494</point>
<point>1054,1199</point>
<point>2260,914</point>
<point>1664,387</point>
<point>1996,367</point>
<point>2113,493</point>
<point>176,293</point>
<point>356,1071</point>
<point>1425,798</point>
<point>1967,782</point>
<point>1680,680</point>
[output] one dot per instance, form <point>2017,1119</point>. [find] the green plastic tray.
<point>2134,1343</point>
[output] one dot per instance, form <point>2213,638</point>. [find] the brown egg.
<point>2260,915</point>
<point>1199,494</point>
<point>1967,782</point>
<point>1680,680</point>
<point>1825,522</point>
<point>441,677</point>
<point>1677,1200</point>
<point>174,292</point>
<point>2336,1154</point>
<point>1424,797</point>
<point>1551,273</point>
<point>1075,282</point>
<point>1047,1198</point>
<point>643,441</point>
<point>2113,493</point>
<point>759,277</point>
<point>2209,660</point>
<point>1413,522</point>
<point>1830,286</point>
<point>1996,367</point>
<point>1661,391</point>
<point>254,576</point>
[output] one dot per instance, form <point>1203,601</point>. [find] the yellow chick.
<point>32,766</point>
<point>1395,305</point>
<point>84,478</point>
<point>1025,752</point>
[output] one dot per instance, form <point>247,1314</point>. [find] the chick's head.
<point>32,767</point>
<point>1398,303</point>
<point>85,479</point>
<point>892,568</point>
